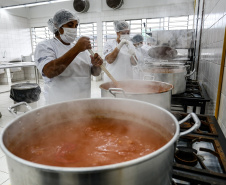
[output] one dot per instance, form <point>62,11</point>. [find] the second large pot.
<point>155,92</point>
<point>173,74</point>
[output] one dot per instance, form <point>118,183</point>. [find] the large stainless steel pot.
<point>160,92</point>
<point>154,168</point>
<point>173,74</point>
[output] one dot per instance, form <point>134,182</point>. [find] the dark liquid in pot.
<point>87,143</point>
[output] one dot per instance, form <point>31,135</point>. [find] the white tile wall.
<point>211,54</point>
<point>15,41</point>
<point>222,111</point>
<point>3,177</point>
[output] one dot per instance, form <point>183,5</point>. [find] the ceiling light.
<point>11,7</point>
<point>33,4</point>
<point>36,4</point>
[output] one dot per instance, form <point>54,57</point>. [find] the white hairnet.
<point>121,26</point>
<point>64,16</point>
<point>137,39</point>
<point>51,26</point>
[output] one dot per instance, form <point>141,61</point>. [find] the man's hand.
<point>131,52</point>
<point>122,42</point>
<point>96,60</point>
<point>83,44</point>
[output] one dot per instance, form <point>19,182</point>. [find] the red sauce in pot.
<point>87,143</point>
<point>139,86</point>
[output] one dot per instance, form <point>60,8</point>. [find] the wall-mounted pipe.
<point>221,78</point>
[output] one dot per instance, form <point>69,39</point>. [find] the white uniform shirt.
<point>140,54</point>
<point>74,82</point>
<point>121,68</point>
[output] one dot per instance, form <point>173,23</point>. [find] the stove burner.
<point>191,95</point>
<point>186,156</point>
<point>209,142</point>
<point>194,95</point>
<point>173,182</point>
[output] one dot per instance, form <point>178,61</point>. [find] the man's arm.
<point>57,66</point>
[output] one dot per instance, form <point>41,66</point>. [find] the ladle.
<point>105,70</point>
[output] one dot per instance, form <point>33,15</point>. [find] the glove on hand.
<point>131,51</point>
<point>122,42</point>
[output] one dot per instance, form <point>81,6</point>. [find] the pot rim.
<point>132,93</point>
<point>96,168</point>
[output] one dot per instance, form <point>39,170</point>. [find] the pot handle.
<point>194,127</point>
<point>149,77</point>
<point>113,90</point>
<point>12,111</point>
<point>190,73</point>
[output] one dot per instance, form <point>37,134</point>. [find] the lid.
<point>24,86</point>
<point>162,52</point>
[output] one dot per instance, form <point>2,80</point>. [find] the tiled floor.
<point>5,102</point>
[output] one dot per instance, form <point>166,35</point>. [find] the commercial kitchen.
<point>176,97</point>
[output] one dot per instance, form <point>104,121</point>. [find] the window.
<point>39,34</point>
<point>154,24</point>
<point>178,23</point>
<point>143,26</point>
<point>169,23</point>
<point>135,26</point>
<point>108,31</point>
<point>89,30</point>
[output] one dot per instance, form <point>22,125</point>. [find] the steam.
<point>61,117</point>
<point>174,38</point>
<point>158,93</point>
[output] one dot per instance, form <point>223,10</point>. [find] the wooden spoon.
<point>105,70</point>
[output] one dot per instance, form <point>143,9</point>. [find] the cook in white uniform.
<point>66,67</point>
<point>150,43</point>
<point>140,52</point>
<point>140,55</point>
<point>118,53</point>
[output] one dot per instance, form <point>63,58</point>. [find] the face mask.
<point>69,35</point>
<point>125,36</point>
<point>139,45</point>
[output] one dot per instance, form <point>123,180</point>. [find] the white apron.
<point>137,70</point>
<point>73,83</point>
<point>140,56</point>
<point>121,68</point>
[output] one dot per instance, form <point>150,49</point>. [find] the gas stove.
<point>200,157</point>
<point>194,96</point>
